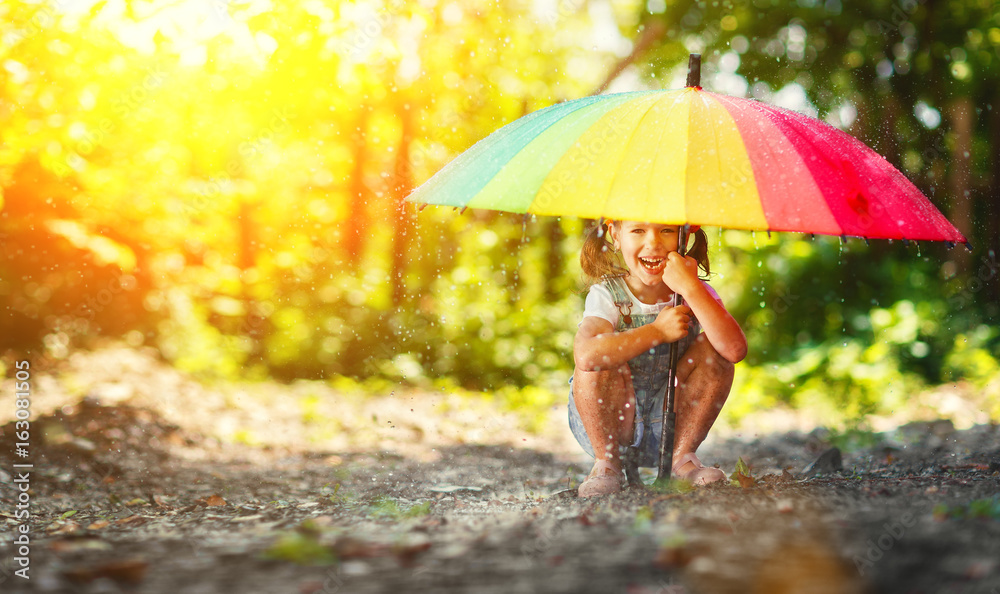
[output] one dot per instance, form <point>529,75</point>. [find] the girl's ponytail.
<point>597,256</point>
<point>699,251</point>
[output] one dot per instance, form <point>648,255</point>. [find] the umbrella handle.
<point>669,417</point>
<point>694,70</point>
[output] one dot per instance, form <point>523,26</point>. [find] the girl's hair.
<point>598,259</point>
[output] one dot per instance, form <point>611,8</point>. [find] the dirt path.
<point>123,500</point>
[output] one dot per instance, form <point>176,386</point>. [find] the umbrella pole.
<point>669,416</point>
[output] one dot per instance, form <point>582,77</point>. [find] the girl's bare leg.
<point>606,403</point>
<point>704,380</point>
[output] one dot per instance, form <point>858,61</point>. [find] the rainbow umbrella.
<point>688,157</point>
<point>693,157</point>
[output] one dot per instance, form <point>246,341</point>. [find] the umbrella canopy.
<point>688,156</point>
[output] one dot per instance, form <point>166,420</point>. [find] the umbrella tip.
<point>950,244</point>
<point>905,241</point>
<point>694,70</point>
<point>968,246</point>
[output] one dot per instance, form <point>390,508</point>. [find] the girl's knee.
<point>703,355</point>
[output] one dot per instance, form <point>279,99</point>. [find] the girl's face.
<point>644,248</point>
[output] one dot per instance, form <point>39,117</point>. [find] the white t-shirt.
<point>600,304</point>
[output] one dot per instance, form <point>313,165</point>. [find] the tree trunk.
<point>556,265</point>
<point>961,112</point>
<point>403,223</point>
<point>992,208</point>
<point>355,228</point>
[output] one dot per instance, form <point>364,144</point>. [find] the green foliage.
<point>385,508</point>
<point>854,438</point>
<point>643,520</point>
<point>672,486</point>
<point>301,547</point>
<point>336,497</point>
<point>848,331</point>
<point>418,510</point>
<point>273,244</point>
<point>987,509</point>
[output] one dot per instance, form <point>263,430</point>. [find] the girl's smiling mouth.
<point>652,265</point>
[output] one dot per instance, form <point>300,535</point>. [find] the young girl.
<point>622,347</point>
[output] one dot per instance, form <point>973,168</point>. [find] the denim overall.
<point>649,378</point>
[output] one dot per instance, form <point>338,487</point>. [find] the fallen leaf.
<point>671,557</point>
<point>407,553</point>
<point>74,544</point>
<point>347,547</point>
<point>213,501</point>
<point>67,528</point>
<point>741,475</point>
<point>68,514</point>
<point>132,521</point>
<point>131,571</point>
<point>453,489</point>
<point>98,525</point>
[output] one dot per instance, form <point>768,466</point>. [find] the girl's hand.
<point>680,273</point>
<point>673,322</point>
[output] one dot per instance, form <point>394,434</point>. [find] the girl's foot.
<point>604,479</point>
<point>690,468</point>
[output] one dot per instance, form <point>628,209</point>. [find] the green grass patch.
<point>671,486</point>
<point>301,547</point>
<point>854,439</point>
<point>389,509</point>
<point>988,509</point>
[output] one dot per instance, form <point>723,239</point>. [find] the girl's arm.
<point>720,328</point>
<point>597,346</point>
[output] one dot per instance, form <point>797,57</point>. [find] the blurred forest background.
<point>224,181</point>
